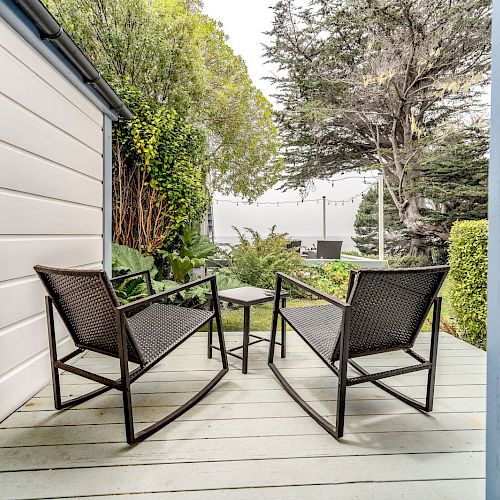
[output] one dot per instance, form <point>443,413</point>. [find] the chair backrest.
<point>295,244</point>
<point>86,302</point>
<point>389,307</point>
<point>329,249</point>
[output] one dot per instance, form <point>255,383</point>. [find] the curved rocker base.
<point>333,430</point>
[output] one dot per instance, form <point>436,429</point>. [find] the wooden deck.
<point>248,439</point>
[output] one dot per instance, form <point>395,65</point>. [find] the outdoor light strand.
<point>295,202</point>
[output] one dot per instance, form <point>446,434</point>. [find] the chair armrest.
<point>159,296</point>
<point>147,279</point>
<point>308,288</point>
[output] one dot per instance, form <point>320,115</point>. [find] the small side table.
<point>247,297</point>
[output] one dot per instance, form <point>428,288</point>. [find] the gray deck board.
<point>248,439</point>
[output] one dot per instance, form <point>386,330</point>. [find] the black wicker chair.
<point>328,249</point>
<point>142,332</point>
<point>385,311</point>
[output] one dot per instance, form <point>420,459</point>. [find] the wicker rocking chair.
<point>142,332</point>
<point>385,311</point>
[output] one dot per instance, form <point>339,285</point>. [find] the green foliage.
<point>409,261</point>
<point>332,278</point>
<point>468,270</point>
<point>381,84</point>
<point>255,260</point>
<point>194,249</point>
<point>396,239</point>
<point>195,244</point>
<point>131,289</point>
<point>128,260</point>
<point>181,266</point>
<point>179,57</point>
<point>159,174</point>
<point>453,176</point>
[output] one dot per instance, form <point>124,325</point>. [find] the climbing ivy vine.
<point>159,174</point>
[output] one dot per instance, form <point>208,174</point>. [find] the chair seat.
<point>160,327</point>
<point>318,325</point>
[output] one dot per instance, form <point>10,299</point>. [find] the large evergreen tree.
<point>366,84</point>
<point>453,179</point>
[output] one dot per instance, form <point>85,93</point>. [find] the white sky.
<point>244,21</point>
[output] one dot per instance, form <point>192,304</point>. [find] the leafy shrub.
<point>194,249</point>
<point>255,260</point>
<point>409,261</point>
<point>332,278</point>
<point>468,270</point>
<point>159,173</point>
<point>128,260</point>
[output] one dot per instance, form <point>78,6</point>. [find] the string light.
<point>296,202</point>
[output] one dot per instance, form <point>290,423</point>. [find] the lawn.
<point>261,316</point>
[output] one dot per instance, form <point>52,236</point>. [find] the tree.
<point>369,84</point>
<point>453,179</point>
<point>176,55</point>
<point>396,238</point>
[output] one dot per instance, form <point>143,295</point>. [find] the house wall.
<point>51,204</point>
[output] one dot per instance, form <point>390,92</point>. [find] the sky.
<point>245,21</point>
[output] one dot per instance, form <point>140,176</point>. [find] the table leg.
<point>283,330</point>
<point>210,330</point>
<point>246,337</point>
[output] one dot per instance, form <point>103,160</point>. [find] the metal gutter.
<point>50,29</point>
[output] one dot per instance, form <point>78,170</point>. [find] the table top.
<point>249,295</point>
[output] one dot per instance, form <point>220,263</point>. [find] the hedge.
<point>468,270</point>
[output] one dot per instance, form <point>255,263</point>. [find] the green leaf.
<point>130,260</point>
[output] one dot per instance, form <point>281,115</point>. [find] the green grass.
<point>261,316</point>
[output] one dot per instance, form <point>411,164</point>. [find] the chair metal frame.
<point>123,384</point>
<point>337,429</point>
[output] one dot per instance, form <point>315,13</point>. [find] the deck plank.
<point>248,439</point>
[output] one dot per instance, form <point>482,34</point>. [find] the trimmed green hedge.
<point>468,270</point>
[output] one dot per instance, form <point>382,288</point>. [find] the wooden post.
<point>324,218</point>
<point>381,216</point>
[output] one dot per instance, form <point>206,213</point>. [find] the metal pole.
<point>324,218</point>
<point>381,216</point>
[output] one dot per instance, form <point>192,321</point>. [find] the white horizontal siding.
<point>25,340</point>
<point>21,213</point>
<point>27,89</point>
<point>31,59</point>
<point>36,175</point>
<point>25,297</point>
<point>25,130</point>
<point>20,254</point>
<point>31,376</point>
<point>51,205</point>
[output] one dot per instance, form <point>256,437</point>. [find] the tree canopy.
<point>176,55</point>
<point>453,179</point>
<point>366,84</point>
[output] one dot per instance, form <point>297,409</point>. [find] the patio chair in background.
<point>142,332</point>
<point>295,244</point>
<point>384,311</point>
<point>329,249</point>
